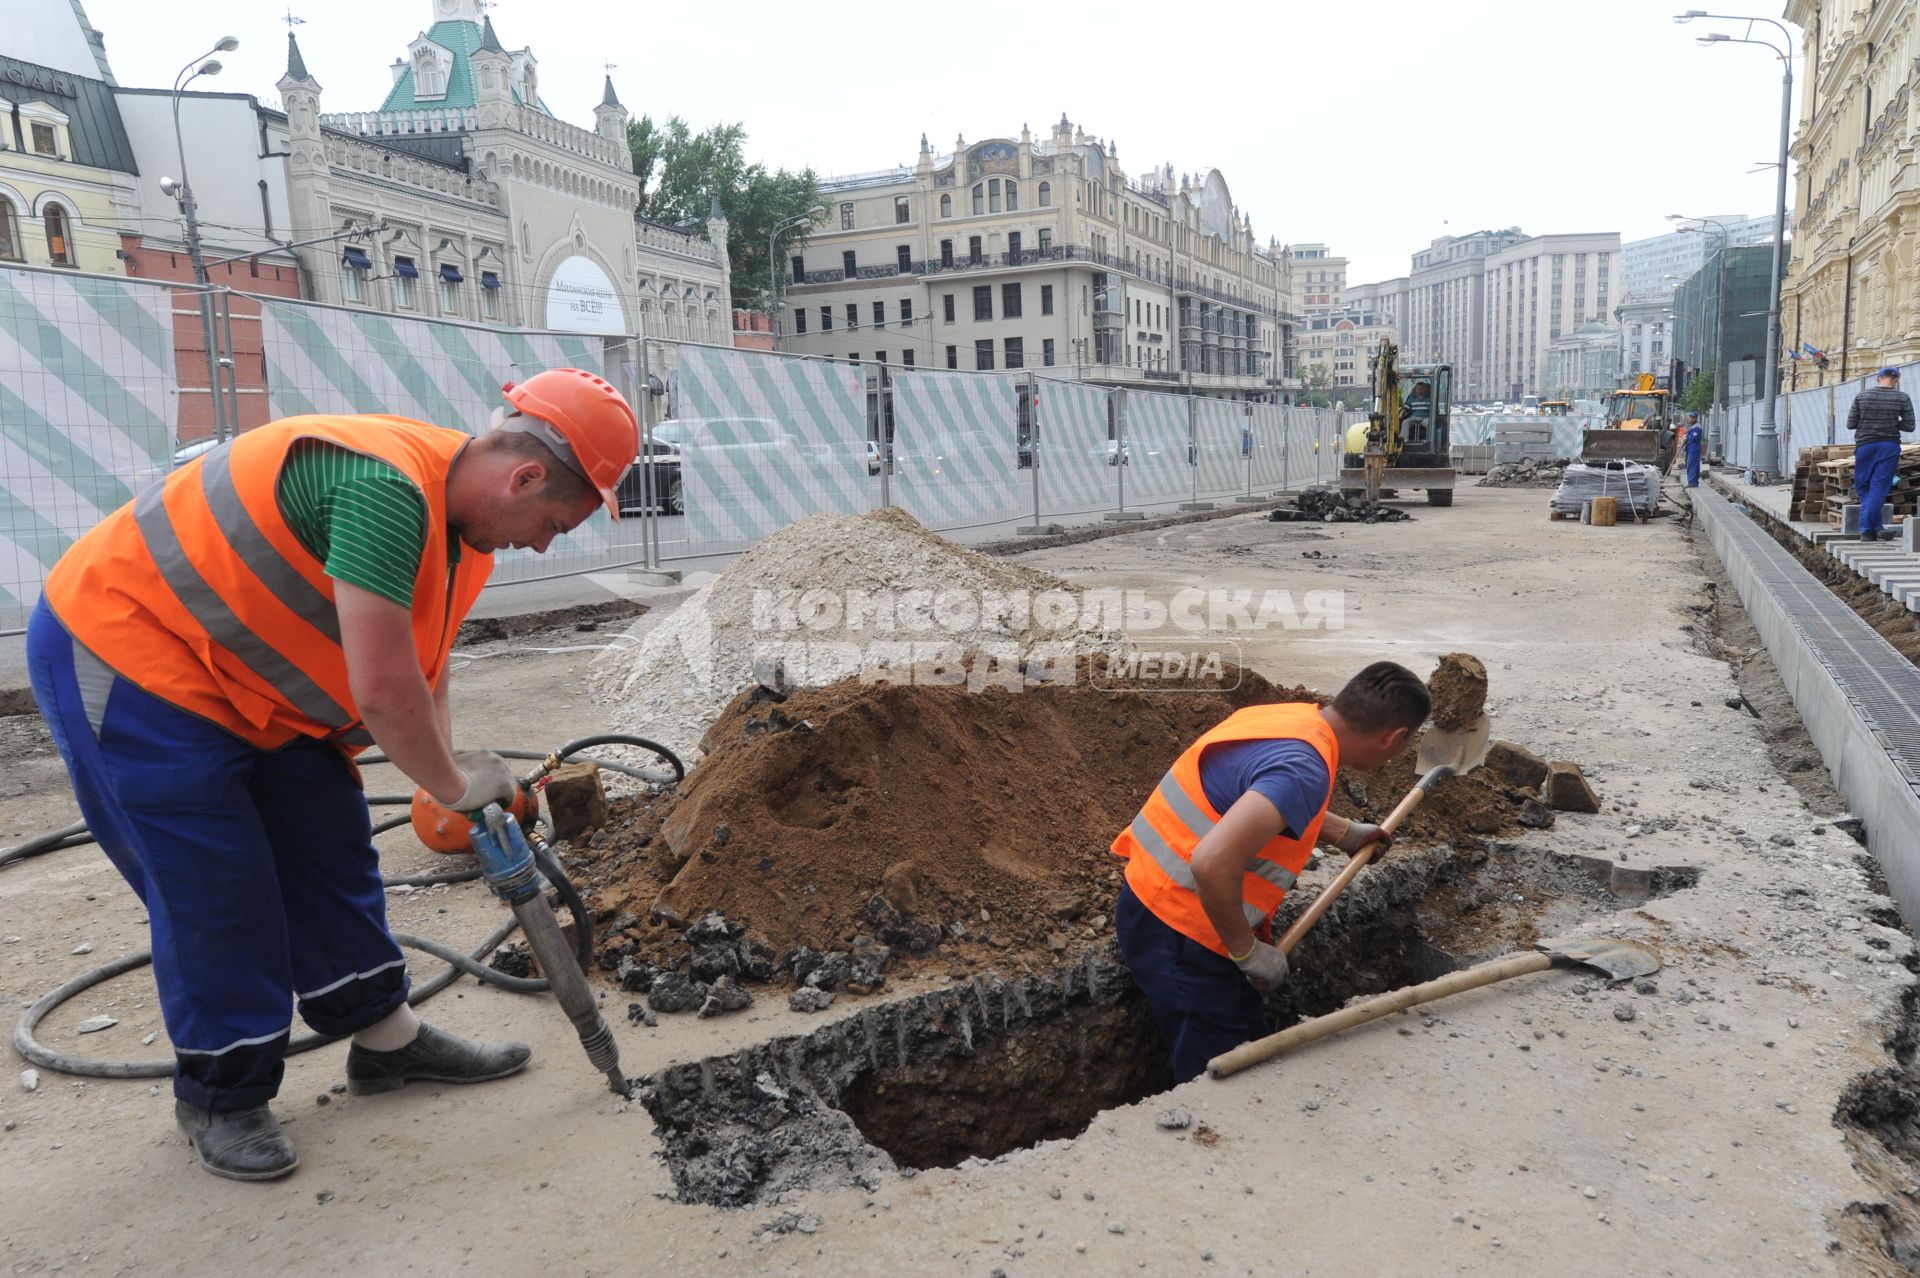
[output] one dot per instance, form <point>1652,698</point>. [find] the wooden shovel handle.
<point>1355,864</point>
<point>1373,1009</point>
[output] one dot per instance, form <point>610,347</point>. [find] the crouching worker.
<point>210,656</point>
<point>1222,839</point>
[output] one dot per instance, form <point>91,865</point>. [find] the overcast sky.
<point>1371,127</point>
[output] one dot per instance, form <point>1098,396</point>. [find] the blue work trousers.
<point>1201,1001</point>
<point>257,869</point>
<point>1874,463</point>
<point>1693,463</point>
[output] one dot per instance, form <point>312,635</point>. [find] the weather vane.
<point>292,21</point>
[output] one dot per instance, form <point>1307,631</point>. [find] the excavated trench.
<point>997,1064</point>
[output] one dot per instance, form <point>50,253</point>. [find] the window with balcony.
<point>1046,238</point>
<point>1009,302</point>
<point>983,302</point>
<point>799,269</point>
<point>1046,299</point>
<point>946,206</point>
<point>946,305</point>
<point>902,209</point>
<point>903,258</point>
<point>973,251</point>
<point>946,254</point>
<point>1013,248</point>
<point>846,217</point>
<point>849,264</point>
<point>1046,195</point>
<point>983,354</point>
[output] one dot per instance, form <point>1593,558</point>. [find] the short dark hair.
<point>1382,697</point>
<point>562,483</point>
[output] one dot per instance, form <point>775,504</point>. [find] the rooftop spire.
<point>491,42</point>
<point>609,98</point>
<point>296,65</point>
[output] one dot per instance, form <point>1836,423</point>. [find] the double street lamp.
<point>1765,461</point>
<point>773,263</point>
<point>204,64</point>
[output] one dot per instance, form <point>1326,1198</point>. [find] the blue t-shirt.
<point>1291,774</point>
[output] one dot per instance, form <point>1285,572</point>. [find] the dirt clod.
<point>1568,790</point>
<point>1458,687</point>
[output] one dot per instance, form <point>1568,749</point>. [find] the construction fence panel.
<point>1220,440</point>
<point>763,440</point>
<point>1071,448</point>
<point>89,401</point>
<point>1268,465</point>
<point>1302,455</point>
<point>328,359</point>
<point>957,444</point>
<point>1154,448</point>
<point>1473,430</point>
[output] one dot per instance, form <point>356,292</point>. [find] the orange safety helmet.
<point>586,423</point>
<point>440,829</point>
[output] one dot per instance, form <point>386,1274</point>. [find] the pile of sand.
<point>830,594</point>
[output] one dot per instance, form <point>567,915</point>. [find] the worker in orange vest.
<point>210,656</point>
<point>1226,834</point>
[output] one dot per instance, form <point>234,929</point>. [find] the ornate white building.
<point>476,202</point>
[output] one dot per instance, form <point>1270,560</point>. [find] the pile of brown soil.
<point>924,815</point>
<point>1458,687</point>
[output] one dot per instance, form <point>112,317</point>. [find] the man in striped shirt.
<point>206,656</point>
<point>1879,416</point>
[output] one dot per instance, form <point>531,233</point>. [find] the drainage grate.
<point>1882,685</point>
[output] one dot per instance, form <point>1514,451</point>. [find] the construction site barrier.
<point>956,444</point>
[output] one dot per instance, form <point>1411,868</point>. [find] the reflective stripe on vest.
<point>257,553</point>
<point>1162,838</point>
<point>222,624</point>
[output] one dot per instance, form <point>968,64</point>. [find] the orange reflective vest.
<point>1159,845</point>
<point>199,592</point>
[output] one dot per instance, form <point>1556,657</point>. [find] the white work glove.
<point>1359,834</point>
<point>488,778</point>
<point>1265,966</point>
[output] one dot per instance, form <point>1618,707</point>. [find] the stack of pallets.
<point>1809,485</point>
<point>1835,485</point>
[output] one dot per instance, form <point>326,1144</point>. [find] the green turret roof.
<point>463,39</point>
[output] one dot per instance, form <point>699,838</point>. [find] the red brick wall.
<point>144,262</point>
<point>753,330</point>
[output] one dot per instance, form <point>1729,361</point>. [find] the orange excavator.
<point>1639,427</point>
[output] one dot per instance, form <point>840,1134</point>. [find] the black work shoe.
<point>432,1057</point>
<point>246,1144</point>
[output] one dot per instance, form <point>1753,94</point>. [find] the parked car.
<point>873,457</point>
<point>187,452</point>
<point>665,467</point>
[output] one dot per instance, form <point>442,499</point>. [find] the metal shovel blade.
<point>1616,960</point>
<point>1462,749</point>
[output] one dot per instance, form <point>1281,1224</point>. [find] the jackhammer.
<point>507,857</point>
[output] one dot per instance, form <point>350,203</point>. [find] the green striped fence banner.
<point>326,359</point>
<point>764,440</point>
<point>1074,475</point>
<point>1156,447</point>
<point>956,436</point>
<point>88,400</point>
<point>1219,459</point>
<point>1269,447</point>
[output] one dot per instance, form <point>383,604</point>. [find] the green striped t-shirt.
<point>360,516</point>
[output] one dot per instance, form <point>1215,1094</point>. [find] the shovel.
<point>1615,960</point>
<point>1442,754</point>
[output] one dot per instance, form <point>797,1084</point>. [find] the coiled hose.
<point>458,961</point>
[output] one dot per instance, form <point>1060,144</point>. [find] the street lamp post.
<point>773,264</point>
<point>1765,461</point>
<point>184,192</point>
<point>1719,414</point>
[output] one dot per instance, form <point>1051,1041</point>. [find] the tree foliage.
<point>1316,381</point>
<point>683,175</point>
<point>1698,396</point>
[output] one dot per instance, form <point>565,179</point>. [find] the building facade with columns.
<point>1850,288</point>
<point>1024,253</point>
<point>1538,291</point>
